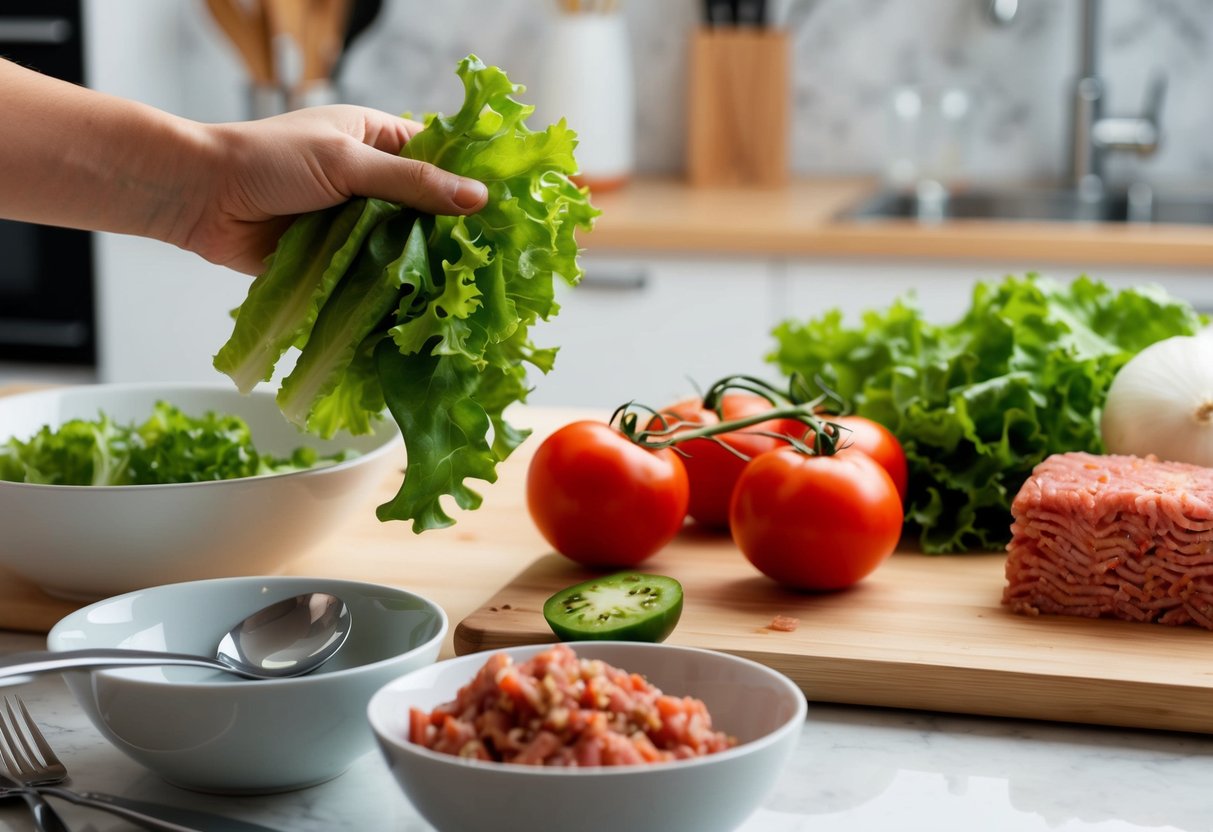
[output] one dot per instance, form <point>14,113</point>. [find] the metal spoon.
<point>287,638</point>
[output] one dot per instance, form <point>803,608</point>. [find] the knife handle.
<point>46,819</point>
<point>155,816</point>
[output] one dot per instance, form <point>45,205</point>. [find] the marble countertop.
<point>855,769</point>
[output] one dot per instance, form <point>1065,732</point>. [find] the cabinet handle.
<point>36,30</point>
<point>616,282</point>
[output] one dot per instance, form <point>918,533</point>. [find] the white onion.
<point>1161,402</point>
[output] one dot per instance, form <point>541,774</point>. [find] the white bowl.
<point>210,731</point>
<point>763,709</point>
<point>89,542</point>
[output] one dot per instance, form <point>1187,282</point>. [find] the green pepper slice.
<point>626,606</point>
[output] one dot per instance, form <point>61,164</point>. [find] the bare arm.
<point>79,158</point>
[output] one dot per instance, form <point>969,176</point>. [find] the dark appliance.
<point>46,274</point>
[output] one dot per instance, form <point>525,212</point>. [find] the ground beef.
<point>784,624</point>
<point>558,710</point>
<point>1113,536</point>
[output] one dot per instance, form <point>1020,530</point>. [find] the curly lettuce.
<point>979,402</point>
<point>168,447</point>
<point>425,316</point>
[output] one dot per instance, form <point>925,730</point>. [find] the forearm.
<point>80,158</point>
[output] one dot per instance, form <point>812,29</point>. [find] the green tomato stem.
<point>826,434</point>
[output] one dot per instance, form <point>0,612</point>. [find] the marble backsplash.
<point>849,55</point>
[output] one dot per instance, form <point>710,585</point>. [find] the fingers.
<point>417,184</point>
<point>386,132</point>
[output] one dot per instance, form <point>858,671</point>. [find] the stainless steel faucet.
<point>1094,134</point>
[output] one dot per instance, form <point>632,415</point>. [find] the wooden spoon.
<point>246,28</point>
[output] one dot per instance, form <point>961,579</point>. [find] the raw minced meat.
<point>784,624</point>
<point>1116,536</point>
<point>556,709</point>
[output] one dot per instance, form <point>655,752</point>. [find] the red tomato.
<point>600,499</point>
<point>712,469</point>
<point>871,437</point>
<point>815,522</point>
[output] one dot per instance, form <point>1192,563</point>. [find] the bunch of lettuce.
<point>979,402</point>
<point>426,315</point>
<point>169,447</point>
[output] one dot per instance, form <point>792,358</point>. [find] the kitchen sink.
<point>1137,204</point>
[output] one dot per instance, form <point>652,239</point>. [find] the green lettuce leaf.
<point>979,402</point>
<point>168,447</point>
<point>282,305</point>
<point>429,316</point>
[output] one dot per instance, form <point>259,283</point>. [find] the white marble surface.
<point>847,57</point>
<point>856,769</point>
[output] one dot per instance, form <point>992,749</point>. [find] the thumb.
<point>419,185</point>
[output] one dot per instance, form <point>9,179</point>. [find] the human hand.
<point>259,175</point>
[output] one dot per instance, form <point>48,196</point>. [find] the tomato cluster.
<point>809,521</point>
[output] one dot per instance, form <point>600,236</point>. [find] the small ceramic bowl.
<point>211,731</point>
<point>763,709</point>
<point>90,542</point>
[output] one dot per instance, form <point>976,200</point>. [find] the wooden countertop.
<point>667,215</point>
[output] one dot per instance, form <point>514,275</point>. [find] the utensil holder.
<point>738,113</point>
<point>265,100</point>
<point>587,80</point>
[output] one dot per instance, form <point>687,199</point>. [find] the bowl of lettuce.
<point>110,488</point>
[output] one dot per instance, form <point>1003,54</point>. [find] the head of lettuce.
<point>425,316</point>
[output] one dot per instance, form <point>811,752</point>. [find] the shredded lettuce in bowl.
<point>978,402</point>
<point>425,315</point>
<point>169,447</point>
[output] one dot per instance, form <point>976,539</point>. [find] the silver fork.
<point>26,769</point>
<point>40,771</point>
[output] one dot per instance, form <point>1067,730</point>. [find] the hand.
<point>82,159</point>
<point>263,173</point>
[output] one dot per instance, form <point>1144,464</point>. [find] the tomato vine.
<point>827,436</point>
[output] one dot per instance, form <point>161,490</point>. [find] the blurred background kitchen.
<point>754,160</point>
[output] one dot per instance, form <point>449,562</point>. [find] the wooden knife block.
<point>738,115</point>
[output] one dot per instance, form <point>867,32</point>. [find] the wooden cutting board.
<point>26,608</point>
<point>922,632</point>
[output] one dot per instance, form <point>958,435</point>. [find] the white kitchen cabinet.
<point>651,328</point>
<point>943,288</point>
<point>638,328</point>
<point>646,327</point>
<point>162,313</point>
<point>1192,285</point>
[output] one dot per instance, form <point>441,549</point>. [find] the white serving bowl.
<point>89,542</point>
<point>762,708</point>
<point>211,731</point>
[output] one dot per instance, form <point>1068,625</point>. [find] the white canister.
<point>587,80</point>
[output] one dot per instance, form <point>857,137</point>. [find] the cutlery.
<point>323,39</point>
<point>359,16</point>
<point>735,13</point>
<point>46,819</point>
<point>41,770</point>
<point>287,638</point>
<point>248,32</point>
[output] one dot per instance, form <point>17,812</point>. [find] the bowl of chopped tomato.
<point>598,736</point>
